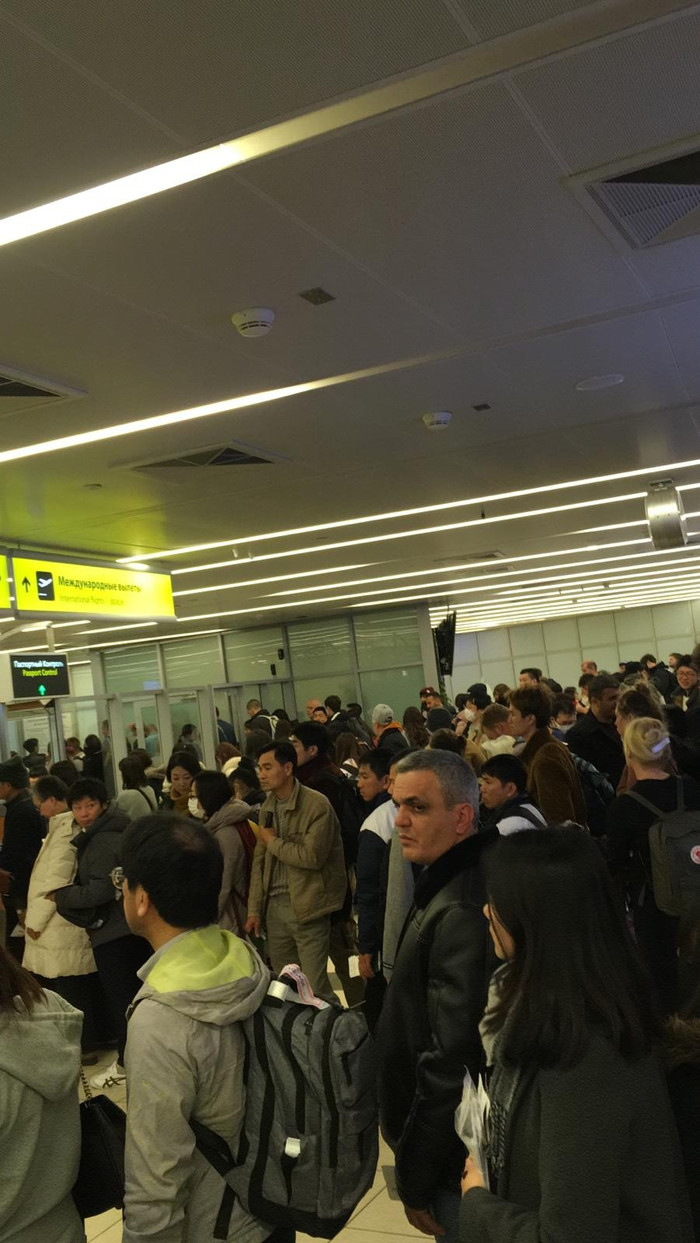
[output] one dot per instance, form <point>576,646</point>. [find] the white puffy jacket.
<point>62,949</point>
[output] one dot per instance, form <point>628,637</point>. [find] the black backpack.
<point>674,847</point>
<point>310,1141</point>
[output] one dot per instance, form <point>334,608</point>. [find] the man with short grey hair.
<point>429,1029</point>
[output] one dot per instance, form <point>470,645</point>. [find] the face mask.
<point>194,808</point>
<point>564,729</point>
<point>467,714</point>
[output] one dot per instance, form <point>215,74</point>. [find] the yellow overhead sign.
<point>45,586</point>
<point>5,601</point>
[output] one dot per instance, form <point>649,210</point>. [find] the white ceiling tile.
<point>458,205</point>
<point>492,20</point>
<point>625,97</point>
<point>217,68</point>
<point>61,133</point>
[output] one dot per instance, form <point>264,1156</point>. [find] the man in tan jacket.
<point>298,877</point>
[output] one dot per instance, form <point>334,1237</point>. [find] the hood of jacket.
<point>231,813</point>
<point>41,1047</point>
<point>682,1042</point>
<point>113,820</point>
<point>208,974</point>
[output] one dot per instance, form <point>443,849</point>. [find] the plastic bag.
<point>471,1122</point>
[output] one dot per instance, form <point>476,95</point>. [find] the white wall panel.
<point>560,636</point>
<point>493,672</point>
<point>595,630</point>
<point>526,639</point>
<point>672,619</point>
<point>634,626</point>
<point>565,667</point>
<point>464,676</point>
<point>494,645</point>
<point>530,660</point>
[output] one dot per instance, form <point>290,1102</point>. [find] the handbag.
<point>100,1182</point>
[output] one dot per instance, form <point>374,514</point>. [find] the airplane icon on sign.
<point>44,585</point>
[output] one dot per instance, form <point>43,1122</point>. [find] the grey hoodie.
<point>40,1123</point>
<point>184,1060</point>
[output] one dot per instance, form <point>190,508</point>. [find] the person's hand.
<point>266,835</point>
<point>472,1176</point>
<point>365,965</point>
<point>421,1219</point>
<point>21,916</point>
<point>252,924</point>
<point>31,933</point>
<point>51,897</point>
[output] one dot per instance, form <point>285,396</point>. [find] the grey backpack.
<point>309,1147</point>
<point>674,846</point>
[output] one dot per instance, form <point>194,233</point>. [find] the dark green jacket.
<point>592,1156</point>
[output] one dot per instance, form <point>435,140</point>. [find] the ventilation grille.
<point>20,391</point>
<point>652,205</point>
<point>213,455</point>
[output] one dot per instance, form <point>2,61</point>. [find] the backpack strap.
<point>645,802</point>
<point>216,1151</point>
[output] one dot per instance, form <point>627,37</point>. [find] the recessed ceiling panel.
<point>219,67</point>
<point>626,97</point>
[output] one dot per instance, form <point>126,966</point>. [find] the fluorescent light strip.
<point>577,602</point>
<point>243,402</point>
<point>494,579</point>
<point>55,625</point>
<point>117,629</point>
<point>160,638</point>
<point>396,535</point>
<point>448,569</point>
<point>275,578</point>
<point>423,509</point>
<point>475,625</point>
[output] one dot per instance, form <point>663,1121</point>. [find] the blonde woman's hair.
<point>646,742</point>
<point>640,699</point>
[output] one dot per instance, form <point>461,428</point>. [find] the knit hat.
<point>438,718</point>
<point>382,714</point>
<point>14,773</point>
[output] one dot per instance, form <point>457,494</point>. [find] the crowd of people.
<point>509,883</point>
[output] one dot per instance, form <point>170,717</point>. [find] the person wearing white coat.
<point>57,952</point>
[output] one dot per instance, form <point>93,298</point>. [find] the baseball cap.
<point>382,714</point>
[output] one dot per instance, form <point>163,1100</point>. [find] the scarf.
<point>504,1079</point>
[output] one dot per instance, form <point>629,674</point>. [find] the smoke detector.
<point>254,322</point>
<point>437,422</point>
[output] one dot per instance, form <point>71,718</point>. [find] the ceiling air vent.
<point>212,455</point>
<point>19,391</point>
<point>647,206</point>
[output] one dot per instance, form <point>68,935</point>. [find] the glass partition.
<point>193,662</point>
<point>387,638</point>
<point>321,646</point>
<point>132,669</point>
<point>254,655</point>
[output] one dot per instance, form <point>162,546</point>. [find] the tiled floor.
<point>376,1217</point>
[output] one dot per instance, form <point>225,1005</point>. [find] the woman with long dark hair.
<point>414,727</point>
<point>583,1147</point>
<point>40,1131</point>
<point>227,819</point>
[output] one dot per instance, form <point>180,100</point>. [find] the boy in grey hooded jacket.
<point>185,1049</point>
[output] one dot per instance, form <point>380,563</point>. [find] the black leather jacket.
<point>429,1028</point>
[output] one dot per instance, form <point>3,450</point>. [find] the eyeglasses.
<point>117,878</point>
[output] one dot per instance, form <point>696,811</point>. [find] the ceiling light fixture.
<point>274,578</point>
<point>397,535</point>
<point>161,638</point>
<point>243,402</point>
<point>596,382</point>
<point>390,515</point>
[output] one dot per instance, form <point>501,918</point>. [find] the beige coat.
<point>313,853</point>
<point>62,949</point>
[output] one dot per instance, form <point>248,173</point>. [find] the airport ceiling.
<point>443,205</point>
